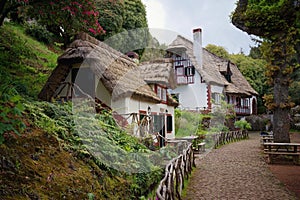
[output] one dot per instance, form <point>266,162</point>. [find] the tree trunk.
<point>281,120</point>
<point>2,13</point>
<point>281,125</point>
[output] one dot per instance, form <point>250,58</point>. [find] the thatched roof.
<point>118,73</point>
<point>212,66</point>
<point>239,84</point>
<point>159,72</point>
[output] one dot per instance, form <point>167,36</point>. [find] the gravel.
<point>235,171</point>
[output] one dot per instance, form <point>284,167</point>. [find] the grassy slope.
<point>35,165</point>
<point>24,62</point>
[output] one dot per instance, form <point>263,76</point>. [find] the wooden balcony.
<point>242,110</point>
<point>184,80</point>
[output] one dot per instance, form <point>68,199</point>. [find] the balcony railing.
<point>242,110</point>
<point>183,80</point>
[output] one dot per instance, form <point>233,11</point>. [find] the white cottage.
<point>91,68</point>
<point>203,78</point>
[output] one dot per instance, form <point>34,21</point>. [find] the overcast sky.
<point>213,16</point>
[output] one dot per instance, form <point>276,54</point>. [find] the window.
<point>190,71</point>
<point>216,97</point>
<point>169,123</point>
<point>184,69</point>
<point>180,71</point>
<point>164,95</point>
<point>161,92</point>
<point>247,103</point>
<point>238,101</point>
<point>228,77</point>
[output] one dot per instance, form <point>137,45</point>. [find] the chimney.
<point>197,47</point>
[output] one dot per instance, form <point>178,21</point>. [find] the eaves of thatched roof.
<point>118,73</point>
<point>159,72</point>
<point>212,66</point>
<point>239,82</point>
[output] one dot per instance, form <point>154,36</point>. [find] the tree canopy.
<point>126,24</point>
<point>218,50</point>
<point>65,18</point>
<point>278,24</point>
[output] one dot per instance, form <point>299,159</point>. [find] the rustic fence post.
<point>171,185</point>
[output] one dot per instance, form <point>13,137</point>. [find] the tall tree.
<point>111,16</point>
<point>278,23</point>
<point>126,24</point>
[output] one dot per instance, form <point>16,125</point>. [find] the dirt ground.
<point>289,174</point>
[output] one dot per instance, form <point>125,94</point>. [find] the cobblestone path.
<point>235,171</point>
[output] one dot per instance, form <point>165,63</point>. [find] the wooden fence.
<point>179,169</point>
<point>176,172</point>
<point>226,137</point>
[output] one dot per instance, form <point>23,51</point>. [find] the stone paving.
<point>235,171</point>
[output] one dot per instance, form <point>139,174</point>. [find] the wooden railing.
<point>176,171</point>
<point>179,169</point>
<point>226,137</point>
<point>242,110</point>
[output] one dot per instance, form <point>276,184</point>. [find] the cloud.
<point>213,16</point>
<point>155,14</point>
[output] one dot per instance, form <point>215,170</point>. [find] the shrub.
<point>39,32</point>
<point>243,125</point>
<point>11,110</point>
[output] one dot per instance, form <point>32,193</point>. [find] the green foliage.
<point>186,123</point>
<point>11,109</point>
<point>27,62</point>
<point>39,32</point>
<point>254,71</point>
<point>218,50</point>
<point>98,137</point>
<point>294,92</point>
<point>154,51</point>
<point>135,15</point>
<point>255,53</point>
<point>243,125</point>
<point>191,123</point>
<point>126,23</point>
<point>111,17</point>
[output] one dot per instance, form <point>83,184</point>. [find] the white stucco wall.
<point>102,93</point>
<point>126,106</point>
<point>134,106</point>
<point>192,96</point>
<point>219,90</point>
<point>251,103</point>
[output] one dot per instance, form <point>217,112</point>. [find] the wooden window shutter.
<point>169,124</point>
<point>193,70</point>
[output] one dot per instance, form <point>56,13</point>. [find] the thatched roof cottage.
<point>90,68</point>
<point>203,78</point>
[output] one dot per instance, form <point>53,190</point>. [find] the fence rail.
<point>226,137</point>
<point>176,171</point>
<point>180,168</point>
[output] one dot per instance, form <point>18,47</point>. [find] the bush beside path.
<point>236,171</point>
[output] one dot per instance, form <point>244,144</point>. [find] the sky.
<point>212,16</point>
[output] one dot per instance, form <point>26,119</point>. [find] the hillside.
<point>42,155</point>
